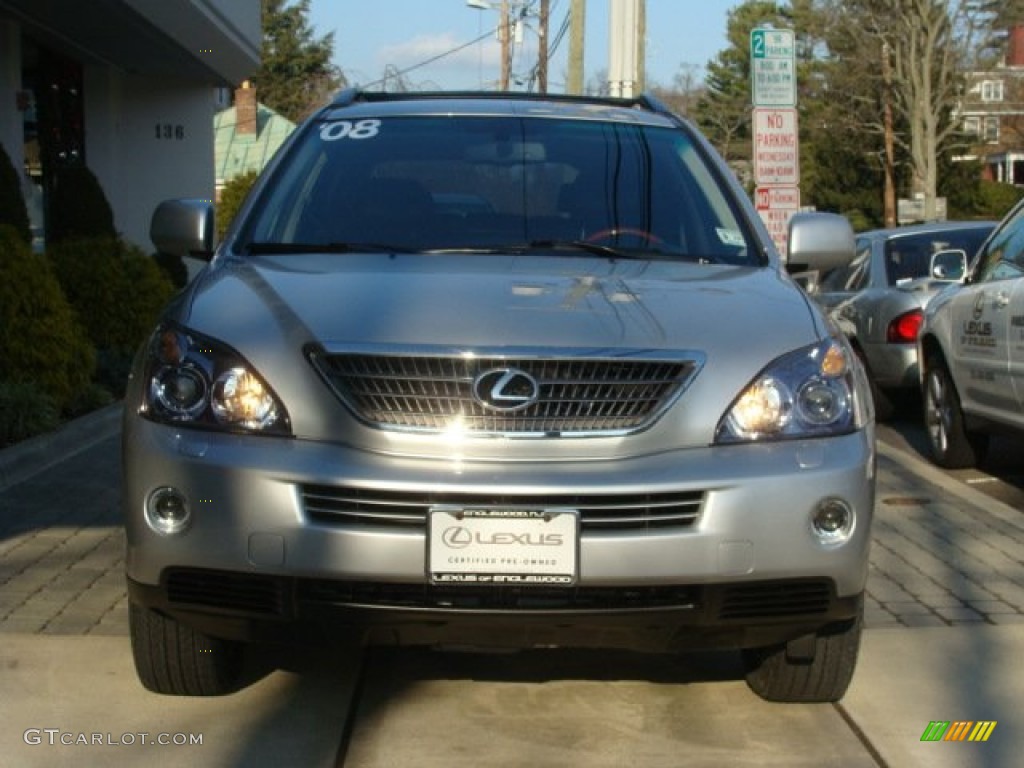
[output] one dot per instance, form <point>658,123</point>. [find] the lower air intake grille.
<point>501,598</point>
<point>247,593</point>
<point>612,512</point>
<point>762,601</point>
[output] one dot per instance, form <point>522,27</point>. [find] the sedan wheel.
<point>952,446</point>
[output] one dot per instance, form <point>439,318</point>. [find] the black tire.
<point>952,445</point>
<point>174,659</point>
<point>822,677</point>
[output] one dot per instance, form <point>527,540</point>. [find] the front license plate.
<point>502,546</point>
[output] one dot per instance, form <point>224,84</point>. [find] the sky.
<point>371,36</point>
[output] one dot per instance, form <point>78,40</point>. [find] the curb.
<point>28,458</point>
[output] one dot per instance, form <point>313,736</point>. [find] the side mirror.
<point>949,265</point>
<point>183,228</point>
<point>819,242</point>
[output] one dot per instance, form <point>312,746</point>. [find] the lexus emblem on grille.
<point>506,389</point>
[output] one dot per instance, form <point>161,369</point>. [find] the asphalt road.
<point>1000,476</point>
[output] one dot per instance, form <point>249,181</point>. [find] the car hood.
<point>477,302</point>
<point>730,321</point>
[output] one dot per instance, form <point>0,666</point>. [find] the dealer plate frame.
<point>502,546</point>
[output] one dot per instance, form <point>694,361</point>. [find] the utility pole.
<point>542,47</point>
<point>641,47</point>
<point>506,46</point>
<point>577,26</point>
<point>626,48</point>
<point>889,161</point>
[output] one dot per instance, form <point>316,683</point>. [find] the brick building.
<point>992,110</point>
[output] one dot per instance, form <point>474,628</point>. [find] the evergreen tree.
<point>296,74</point>
<point>724,111</point>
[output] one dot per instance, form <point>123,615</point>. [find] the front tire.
<point>174,659</point>
<point>775,674</point>
<point>952,446</point>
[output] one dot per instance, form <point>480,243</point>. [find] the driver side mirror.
<point>183,228</point>
<point>949,265</point>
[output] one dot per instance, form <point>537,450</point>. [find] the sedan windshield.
<point>485,183</point>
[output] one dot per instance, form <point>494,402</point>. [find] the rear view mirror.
<point>949,265</point>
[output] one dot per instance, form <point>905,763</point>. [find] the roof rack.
<point>353,95</point>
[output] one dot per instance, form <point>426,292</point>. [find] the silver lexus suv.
<point>502,371</point>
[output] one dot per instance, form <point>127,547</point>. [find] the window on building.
<point>992,90</point>
<point>972,126</point>
<point>992,129</point>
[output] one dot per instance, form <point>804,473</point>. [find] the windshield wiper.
<point>583,245</point>
<point>285,248</point>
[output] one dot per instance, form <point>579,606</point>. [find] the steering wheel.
<point>615,232</point>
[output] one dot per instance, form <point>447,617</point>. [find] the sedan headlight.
<point>194,380</point>
<point>812,392</point>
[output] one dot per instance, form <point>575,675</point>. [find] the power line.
<point>431,60</point>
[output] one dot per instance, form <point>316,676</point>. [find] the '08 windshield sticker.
<point>346,129</point>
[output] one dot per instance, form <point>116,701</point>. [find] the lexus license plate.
<point>502,546</point>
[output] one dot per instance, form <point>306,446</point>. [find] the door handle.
<point>1001,300</point>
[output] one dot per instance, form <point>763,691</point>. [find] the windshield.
<point>439,183</point>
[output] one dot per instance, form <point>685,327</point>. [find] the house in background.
<point>128,88</point>
<point>246,136</point>
<point>992,110</point>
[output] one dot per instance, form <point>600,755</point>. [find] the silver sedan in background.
<point>878,299</point>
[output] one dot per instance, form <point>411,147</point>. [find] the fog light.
<point>832,521</point>
<point>167,511</point>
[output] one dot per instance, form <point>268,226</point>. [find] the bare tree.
<point>924,48</point>
<point>684,92</point>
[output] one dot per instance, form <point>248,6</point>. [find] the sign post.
<point>776,136</point>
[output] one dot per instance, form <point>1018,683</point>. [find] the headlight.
<point>194,380</point>
<point>812,392</point>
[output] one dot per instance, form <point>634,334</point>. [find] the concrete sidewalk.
<point>908,678</point>
<point>75,700</point>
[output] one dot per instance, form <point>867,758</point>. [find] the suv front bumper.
<point>251,534</point>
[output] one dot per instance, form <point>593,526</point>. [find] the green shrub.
<point>93,397</point>
<point>173,267</point>
<point>995,199</point>
<point>25,411</point>
<point>78,207</point>
<point>117,291</point>
<point>41,341</point>
<point>12,205</point>
<point>231,199</point>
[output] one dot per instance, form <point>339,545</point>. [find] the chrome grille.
<point>611,512</point>
<point>435,393</point>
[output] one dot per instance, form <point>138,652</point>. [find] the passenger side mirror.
<point>949,265</point>
<point>819,242</point>
<point>183,228</point>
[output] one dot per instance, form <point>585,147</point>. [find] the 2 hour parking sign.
<point>773,67</point>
